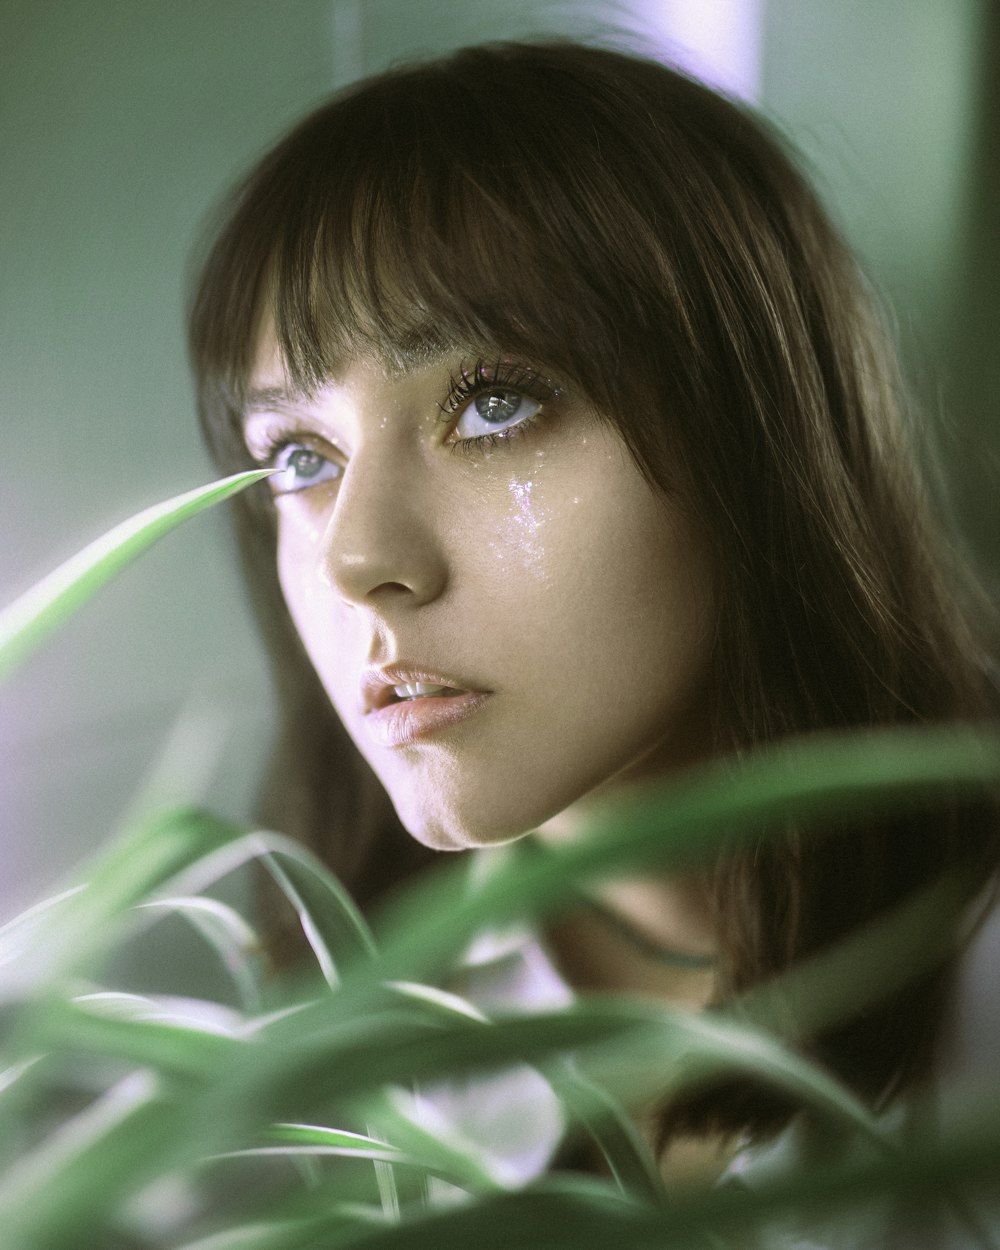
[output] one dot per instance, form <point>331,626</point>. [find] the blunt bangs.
<point>471,203</point>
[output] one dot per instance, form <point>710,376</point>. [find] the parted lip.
<point>377,683</point>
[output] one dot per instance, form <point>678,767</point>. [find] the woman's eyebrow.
<point>272,399</point>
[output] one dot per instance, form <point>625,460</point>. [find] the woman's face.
<point>504,614</point>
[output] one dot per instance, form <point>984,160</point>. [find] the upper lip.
<point>377,684</point>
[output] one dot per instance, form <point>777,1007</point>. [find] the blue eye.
<point>301,467</point>
<point>493,411</point>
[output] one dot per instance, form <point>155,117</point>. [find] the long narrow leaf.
<point>862,968</point>
<point>201,1014</point>
<point>75,1178</point>
<point>294,1232</point>
<point>69,937</point>
<point>29,619</point>
<point>330,920</point>
<point>614,1132</point>
<point>445,1151</point>
<point>20,934</point>
<point>681,1047</point>
<point>312,1139</point>
<point>440,1005</point>
<point>235,942</point>
<point>139,1034</point>
<point>577,1214</point>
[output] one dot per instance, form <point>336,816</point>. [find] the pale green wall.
<point>881,97</point>
<point>121,121</point>
<point>895,104</point>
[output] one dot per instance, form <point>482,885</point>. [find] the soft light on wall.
<point>717,41</point>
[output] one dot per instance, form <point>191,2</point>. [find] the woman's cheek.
<point>520,533</point>
<point>300,563</point>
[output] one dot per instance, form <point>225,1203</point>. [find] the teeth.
<point>419,690</point>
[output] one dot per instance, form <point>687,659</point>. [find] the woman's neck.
<point>647,937</point>
<point>651,935</point>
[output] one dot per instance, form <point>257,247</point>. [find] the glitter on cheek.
<point>518,543</point>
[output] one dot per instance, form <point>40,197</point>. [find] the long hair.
<point>654,244</point>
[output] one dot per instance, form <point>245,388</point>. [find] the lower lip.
<point>400,724</point>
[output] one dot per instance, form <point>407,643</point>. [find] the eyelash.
<point>274,441</point>
<point>486,375</point>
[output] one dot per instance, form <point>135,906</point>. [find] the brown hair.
<point>654,244</point>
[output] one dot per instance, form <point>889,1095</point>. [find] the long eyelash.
<point>266,452</point>
<point>486,374</point>
<point>482,442</point>
<point>275,439</point>
<point>271,442</point>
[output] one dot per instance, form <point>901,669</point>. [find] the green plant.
<point>282,1118</point>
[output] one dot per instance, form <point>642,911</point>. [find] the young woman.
<point>592,466</point>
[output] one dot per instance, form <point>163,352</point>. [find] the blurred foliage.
<point>284,1116</point>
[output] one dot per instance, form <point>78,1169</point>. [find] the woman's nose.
<point>382,537</point>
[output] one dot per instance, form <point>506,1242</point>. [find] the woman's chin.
<point>454,827</point>
<point>441,835</point>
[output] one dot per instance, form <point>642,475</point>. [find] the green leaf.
<point>333,926</point>
<point>388,1190</point>
<point>19,936</point>
<point>140,1032</point>
<point>291,1233</point>
<point>76,1176</point>
<point>582,1214</point>
<point>72,932</point>
<point>439,1005</point>
<point>671,1048</point>
<point>862,968</point>
<point>613,1131</point>
<point>444,1150</point>
<point>323,1053</point>
<point>10,1076</point>
<point>237,944</point>
<point>40,610</point>
<point>200,1014</point>
<point>313,1139</point>
<point>578,1212</point>
<point>930,1164</point>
